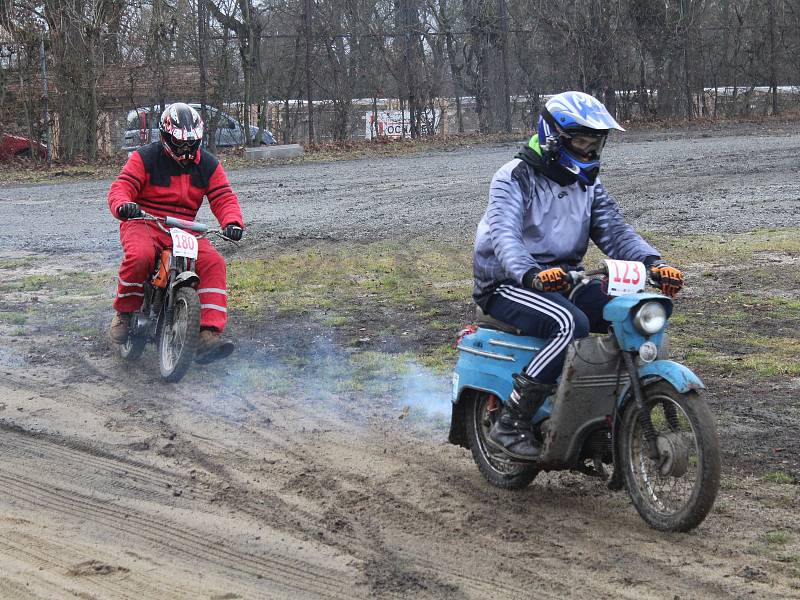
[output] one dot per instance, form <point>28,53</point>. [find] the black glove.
<point>129,210</point>
<point>233,232</point>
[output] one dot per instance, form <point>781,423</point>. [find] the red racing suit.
<point>164,188</point>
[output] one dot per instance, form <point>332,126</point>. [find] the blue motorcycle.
<point>621,411</point>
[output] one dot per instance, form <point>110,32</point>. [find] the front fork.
<point>644,414</point>
<point>179,265</point>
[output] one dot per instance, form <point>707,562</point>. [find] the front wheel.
<point>676,491</point>
<point>178,339</point>
<point>481,410</point>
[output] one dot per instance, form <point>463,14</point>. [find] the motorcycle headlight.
<point>650,318</point>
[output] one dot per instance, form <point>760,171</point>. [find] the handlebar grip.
<point>190,225</point>
<point>575,277</point>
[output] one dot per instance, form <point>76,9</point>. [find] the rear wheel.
<point>676,491</point>
<point>500,470</point>
<point>133,348</point>
<point>178,339</point>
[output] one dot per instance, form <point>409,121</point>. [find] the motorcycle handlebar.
<point>190,225</point>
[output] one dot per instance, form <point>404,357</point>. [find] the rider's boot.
<point>120,328</point>
<point>512,432</point>
<point>211,347</point>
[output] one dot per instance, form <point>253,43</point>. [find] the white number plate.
<point>183,243</point>
<point>625,277</point>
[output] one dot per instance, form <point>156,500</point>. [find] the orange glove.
<point>552,280</point>
<point>669,279</point>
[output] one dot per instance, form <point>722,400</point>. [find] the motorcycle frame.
<point>181,274</point>
<point>595,383</point>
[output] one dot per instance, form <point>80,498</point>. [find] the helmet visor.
<point>584,145</point>
<point>182,149</point>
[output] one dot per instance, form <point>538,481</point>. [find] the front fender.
<point>682,378</point>
<point>189,278</point>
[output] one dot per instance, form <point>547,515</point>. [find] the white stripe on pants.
<point>541,304</point>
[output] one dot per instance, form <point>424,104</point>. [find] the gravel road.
<point>735,180</point>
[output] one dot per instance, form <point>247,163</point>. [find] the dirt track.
<point>117,486</point>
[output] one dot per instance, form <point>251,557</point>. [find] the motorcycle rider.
<point>170,177</point>
<point>544,207</point>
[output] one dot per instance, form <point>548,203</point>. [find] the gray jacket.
<point>532,223</point>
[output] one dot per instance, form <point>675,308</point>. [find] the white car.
<point>229,131</point>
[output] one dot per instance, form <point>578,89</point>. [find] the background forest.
<point>71,70</point>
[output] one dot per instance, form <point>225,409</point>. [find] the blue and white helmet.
<point>569,115</point>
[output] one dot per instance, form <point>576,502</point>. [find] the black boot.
<point>512,432</point>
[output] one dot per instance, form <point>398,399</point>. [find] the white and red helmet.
<point>181,132</point>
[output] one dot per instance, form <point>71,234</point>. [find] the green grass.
<point>735,249</point>
<point>17,263</point>
<point>14,318</point>
<point>73,282</point>
<point>336,283</point>
<point>777,538</point>
<point>327,276</point>
<point>779,477</point>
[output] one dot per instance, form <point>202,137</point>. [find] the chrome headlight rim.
<point>650,317</point>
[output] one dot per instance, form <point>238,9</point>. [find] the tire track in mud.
<point>405,567</point>
<point>40,444</point>
<point>551,531</point>
<point>295,577</point>
<point>113,475</point>
<point>48,556</point>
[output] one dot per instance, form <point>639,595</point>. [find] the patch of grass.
<point>17,263</point>
<point>272,379</point>
<point>14,318</point>
<point>777,538</point>
<point>719,335</point>
<point>334,320</point>
<point>337,284</point>
<point>321,276</point>
<point>28,171</point>
<point>728,483</point>
<point>440,359</point>
<point>73,282</point>
<point>788,558</point>
<point>722,508</point>
<point>740,248</point>
<point>29,283</point>
<point>778,477</point>
<point>780,502</point>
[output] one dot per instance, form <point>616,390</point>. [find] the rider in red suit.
<point>170,178</point>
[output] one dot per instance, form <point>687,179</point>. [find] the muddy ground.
<point>314,464</point>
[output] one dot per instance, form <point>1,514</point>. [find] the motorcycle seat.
<point>489,322</point>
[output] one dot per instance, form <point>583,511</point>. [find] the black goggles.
<point>584,144</point>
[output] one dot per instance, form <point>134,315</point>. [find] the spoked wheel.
<point>676,491</point>
<point>178,339</point>
<point>499,469</point>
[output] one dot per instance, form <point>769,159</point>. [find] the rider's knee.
<point>139,259</point>
<point>580,326</point>
<point>214,261</point>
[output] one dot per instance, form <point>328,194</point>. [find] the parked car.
<point>16,146</point>
<point>229,131</point>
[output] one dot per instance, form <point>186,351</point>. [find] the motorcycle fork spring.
<point>644,415</point>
